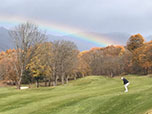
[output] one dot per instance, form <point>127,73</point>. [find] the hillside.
<point>6,41</point>
<point>115,38</point>
<point>89,95</point>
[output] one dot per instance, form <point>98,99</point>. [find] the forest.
<point>34,60</point>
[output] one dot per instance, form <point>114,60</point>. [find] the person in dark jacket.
<point>126,83</point>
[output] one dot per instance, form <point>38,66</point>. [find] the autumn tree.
<point>26,36</point>
<point>39,65</point>
<point>7,65</point>
<point>83,67</point>
<point>135,41</point>
<point>143,58</point>
<point>106,61</point>
<point>2,67</point>
<point>72,63</point>
<point>65,56</point>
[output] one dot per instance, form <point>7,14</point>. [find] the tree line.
<point>34,59</point>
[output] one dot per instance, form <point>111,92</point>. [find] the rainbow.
<point>62,30</point>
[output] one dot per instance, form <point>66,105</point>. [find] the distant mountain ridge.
<point>6,41</point>
<point>119,38</point>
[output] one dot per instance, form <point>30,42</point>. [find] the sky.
<point>103,16</point>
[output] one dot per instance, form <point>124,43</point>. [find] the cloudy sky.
<point>104,16</point>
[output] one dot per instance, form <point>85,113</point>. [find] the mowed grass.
<point>89,95</point>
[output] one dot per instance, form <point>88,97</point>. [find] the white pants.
<point>126,87</point>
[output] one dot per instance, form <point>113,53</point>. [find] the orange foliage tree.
<point>135,41</point>
<point>8,67</point>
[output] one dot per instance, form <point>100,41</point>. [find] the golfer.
<point>126,83</point>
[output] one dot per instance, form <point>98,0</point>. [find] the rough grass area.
<point>89,95</point>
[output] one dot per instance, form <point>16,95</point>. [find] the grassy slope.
<point>90,95</point>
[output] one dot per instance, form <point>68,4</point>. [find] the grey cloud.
<point>130,16</point>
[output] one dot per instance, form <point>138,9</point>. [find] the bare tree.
<point>65,57</point>
<point>26,36</point>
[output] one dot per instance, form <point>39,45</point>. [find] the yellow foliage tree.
<point>39,64</point>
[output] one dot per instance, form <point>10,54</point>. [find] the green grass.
<point>89,95</point>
